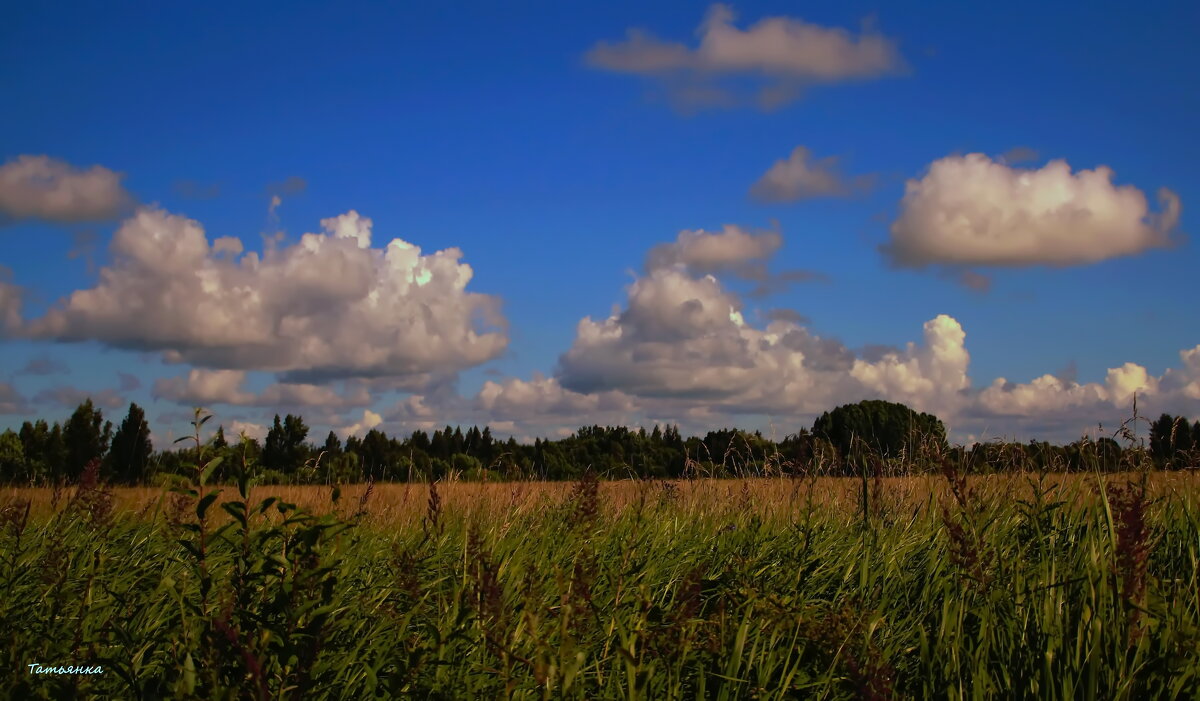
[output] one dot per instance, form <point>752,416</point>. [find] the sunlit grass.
<point>1014,585</point>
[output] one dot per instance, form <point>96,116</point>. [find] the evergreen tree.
<point>56,453</point>
<point>129,458</point>
<point>86,436</point>
<point>284,449</point>
<point>333,446</point>
<point>273,447</point>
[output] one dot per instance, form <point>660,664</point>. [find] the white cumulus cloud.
<point>971,210</point>
<point>329,306</point>
<point>368,421</point>
<point>252,430</point>
<point>684,337</point>
<point>1050,398</point>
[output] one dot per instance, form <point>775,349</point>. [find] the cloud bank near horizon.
<point>341,325</point>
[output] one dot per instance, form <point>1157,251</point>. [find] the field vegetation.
<point>941,584</point>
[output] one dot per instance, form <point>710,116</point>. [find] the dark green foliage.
<point>333,446</point>
<point>880,428</point>
<point>128,458</point>
<point>86,436</point>
<point>1084,590</point>
<point>43,449</point>
<point>1173,443</point>
<point>284,449</point>
<point>12,459</point>
<point>860,439</point>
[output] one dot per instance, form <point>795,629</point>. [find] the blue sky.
<point>494,129</point>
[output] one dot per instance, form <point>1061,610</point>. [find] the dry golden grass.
<point>404,505</point>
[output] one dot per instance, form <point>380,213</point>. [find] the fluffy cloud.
<point>929,377</point>
<point>545,399</point>
<point>681,345</point>
<point>204,387</point>
<point>369,421</point>
<point>40,187</point>
<point>684,337</point>
<point>1185,380</point>
<point>799,177</point>
<point>329,306</point>
<point>788,53</point>
<point>732,250</point>
<point>1049,400</point>
<point>706,251</point>
<point>208,387</point>
<point>524,408</point>
<point>193,190</point>
<point>971,210</point>
<point>252,430</point>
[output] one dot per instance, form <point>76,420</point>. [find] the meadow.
<point>1026,585</point>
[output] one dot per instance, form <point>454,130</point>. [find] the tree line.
<point>874,435</point>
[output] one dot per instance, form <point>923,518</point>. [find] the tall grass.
<point>948,587</point>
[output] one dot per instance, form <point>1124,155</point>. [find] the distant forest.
<point>875,437</point>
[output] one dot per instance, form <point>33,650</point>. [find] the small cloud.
<point>788,315</point>
<point>706,251</point>
<point>781,55</point>
<point>10,304</point>
<point>1069,373</point>
<point>44,364</point>
<point>799,177</point>
<point>780,282</point>
<point>976,282</point>
<point>40,187</point>
<point>71,397</point>
<point>293,185</point>
<point>369,421</point>
<point>1019,154</point>
<point>193,190</point>
<point>12,401</point>
<point>251,430</point>
<point>127,382</point>
<point>83,245</point>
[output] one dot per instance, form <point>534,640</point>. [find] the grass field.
<point>1076,586</point>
